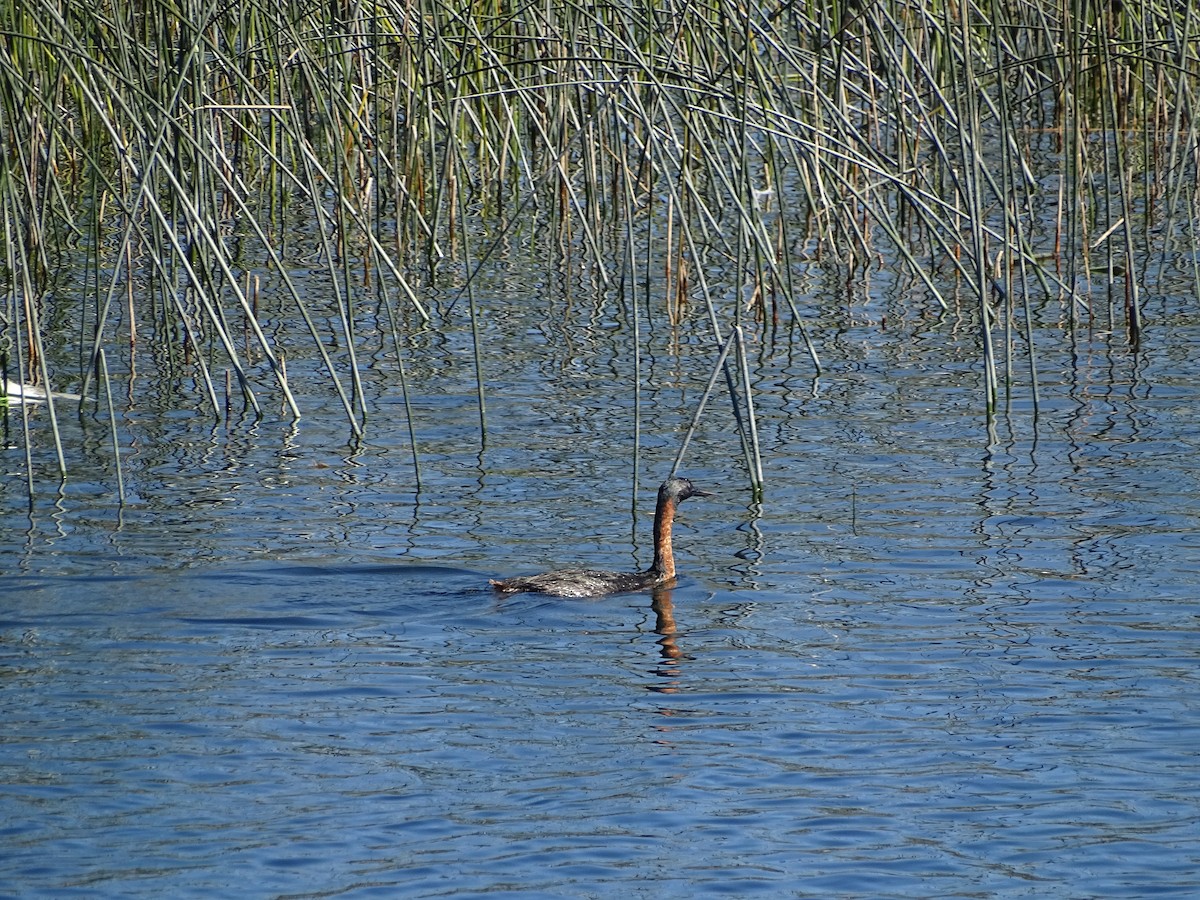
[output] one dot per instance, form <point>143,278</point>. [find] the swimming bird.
<point>597,583</point>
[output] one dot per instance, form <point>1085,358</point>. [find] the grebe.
<point>593,583</point>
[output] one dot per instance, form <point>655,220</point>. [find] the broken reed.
<point>177,141</point>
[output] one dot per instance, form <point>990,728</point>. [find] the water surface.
<point>938,659</point>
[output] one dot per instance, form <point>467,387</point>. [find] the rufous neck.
<point>664,555</point>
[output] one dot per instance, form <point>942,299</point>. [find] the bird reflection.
<point>664,625</point>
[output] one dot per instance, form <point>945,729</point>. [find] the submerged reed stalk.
<point>106,385</point>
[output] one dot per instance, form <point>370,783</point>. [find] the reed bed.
<point>176,145</point>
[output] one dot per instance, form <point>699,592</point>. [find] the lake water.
<point>937,659</point>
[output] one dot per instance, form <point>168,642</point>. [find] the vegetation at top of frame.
<point>175,142</point>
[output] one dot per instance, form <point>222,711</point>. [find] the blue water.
<point>937,659</point>
<point>396,730</point>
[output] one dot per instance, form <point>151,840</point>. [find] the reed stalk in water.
<point>172,149</point>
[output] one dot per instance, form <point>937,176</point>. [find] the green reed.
<point>178,144</point>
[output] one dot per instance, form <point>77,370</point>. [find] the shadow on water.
<point>321,595</point>
<point>315,580</point>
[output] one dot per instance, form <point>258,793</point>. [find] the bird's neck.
<point>664,556</point>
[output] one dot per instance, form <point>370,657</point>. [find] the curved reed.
<point>174,143</point>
